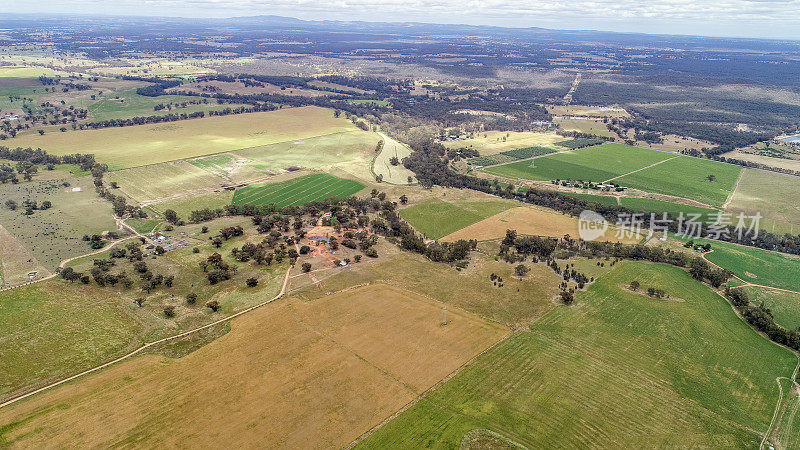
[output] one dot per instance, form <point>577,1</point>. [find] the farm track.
<point>150,344</point>
<point>643,168</point>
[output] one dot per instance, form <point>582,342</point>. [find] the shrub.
<point>191,297</point>
<point>306,267</point>
<point>213,305</point>
<point>252,282</point>
<point>169,311</point>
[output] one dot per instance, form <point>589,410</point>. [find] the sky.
<point>778,19</point>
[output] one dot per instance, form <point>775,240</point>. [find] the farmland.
<point>647,170</point>
<point>492,142</point>
<point>54,234</point>
<point>186,204</point>
<point>643,204</point>
<point>687,177</point>
<point>617,370</point>
<point>168,179</point>
<point>435,218</point>
<point>526,220</point>
<point>785,306</point>
<point>154,143</point>
<point>320,373</point>
<point>382,166</point>
<point>297,191</point>
<point>48,332</point>
<point>590,164</point>
<point>765,192</point>
<point>756,265</point>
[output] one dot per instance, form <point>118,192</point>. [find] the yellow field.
<point>493,142</point>
<point>783,163</point>
<point>525,220</point>
<point>392,174</point>
<point>292,374</point>
<point>587,125</point>
<point>154,143</point>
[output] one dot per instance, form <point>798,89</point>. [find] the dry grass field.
<point>782,163</point>
<point>16,261</point>
<point>382,166</point>
<point>585,125</point>
<point>167,179</point>
<point>767,192</point>
<point>293,374</point>
<point>155,143</point>
<point>586,111</point>
<point>525,220</point>
<point>493,142</point>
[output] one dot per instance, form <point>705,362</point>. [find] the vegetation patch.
<point>784,306</point>
<point>170,179</point>
<point>756,265</point>
<point>579,143</point>
<point>651,373</point>
<point>767,193</point>
<point>296,192</point>
<point>528,152</point>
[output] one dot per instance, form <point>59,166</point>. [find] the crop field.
<point>532,221</point>
<point>585,125</point>
<point>382,166</point>
<point>492,142</point>
<point>436,218</point>
<point>652,205</point>
<point>589,164</point>
<point>26,72</point>
<point>617,370</point>
<point>767,192</point>
<point>48,332</point>
<point>185,205</point>
<point>297,191</point>
<point>167,179</point>
<point>687,177</point>
<point>756,265</point>
<point>785,306</point>
<point>55,234</point>
<point>130,104</point>
<point>303,374</point>
<point>154,143</point>
<point>601,199</point>
<point>346,150</point>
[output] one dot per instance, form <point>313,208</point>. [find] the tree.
<point>11,204</point>
<point>213,305</point>
<point>139,301</point>
<point>169,311</point>
<point>191,297</point>
<point>252,282</point>
<point>394,161</point>
<point>635,285</point>
<point>171,216</point>
<point>410,179</point>
<point>521,270</point>
<point>306,267</point>
<point>711,177</point>
<point>403,199</point>
<point>567,297</point>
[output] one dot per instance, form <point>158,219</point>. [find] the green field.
<point>163,180</point>
<point>185,205</point>
<point>49,331</point>
<point>131,104</point>
<point>767,192</point>
<point>143,226</point>
<point>674,209</point>
<point>601,199</point>
<point>595,164</point>
<point>785,306</point>
<point>297,192</point>
<point>756,265</point>
<point>686,177</point>
<point>124,147</point>
<point>617,370</point>
<point>436,219</point>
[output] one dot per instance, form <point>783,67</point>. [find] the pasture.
<point>785,306</point>
<point>55,234</point>
<point>436,218</point>
<point>595,164</point>
<point>394,174</point>
<point>686,177</point>
<point>617,370</point>
<point>319,373</point>
<point>297,191</point>
<point>48,332</point>
<point>587,111</point>
<point>148,183</point>
<point>492,142</point>
<point>130,104</point>
<point>767,193</point>
<point>756,265</point>
<point>155,143</point>
<point>586,125</point>
<point>526,220</point>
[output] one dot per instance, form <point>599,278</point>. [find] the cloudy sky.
<point>740,18</point>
